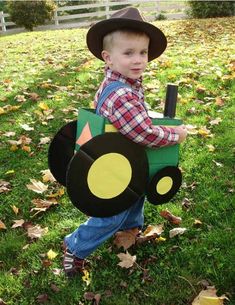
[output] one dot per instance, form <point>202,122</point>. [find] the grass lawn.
<point>44,78</point>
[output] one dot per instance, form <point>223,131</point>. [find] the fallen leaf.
<point>219,101</point>
<point>126,238</point>
<point>209,297</point>
<point>2,225</point>
<point>191,129</point>
<point>18,223</point>
<point>26,127</point>
<point>37,186</point>
<point>42,205</point>
<point>36,231</point>
<point>51,254</point>
<point>86,277</point>
<point>15,209</point>
<point>59,193</point>
<point>42,298</point>
<point>44,140</point>
<point>176,231</point>
<point>126,259</point>
<point>4,186</point>
<point>218,163</point>
<point>43,106</point>
<point>216,121</point>
<point>55,288</point>
<point>9,134</point>
<point>47,176</point>
<point>151,233</point>
<point>204,132</point>
<point>197,222</point>
<point>34,96</point>
<point>170,217</point>
<point>211,148</point>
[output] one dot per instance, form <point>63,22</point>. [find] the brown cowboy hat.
<point>127,18</point>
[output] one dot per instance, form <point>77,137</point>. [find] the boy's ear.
<point>106,56</point>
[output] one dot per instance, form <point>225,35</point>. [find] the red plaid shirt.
<point>126,110</point>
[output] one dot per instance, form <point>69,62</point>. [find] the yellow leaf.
<point>13,148</point>
<point>2,111</point>
<point>59,193</point>
<point>43,106</point>
<point>209,297</point>
<point>10,172</point>
<point>204,132</point>
<point>160,239</point>
<point>86,277</point>
<point>211,148</point>
<point>51,254</point>
<point>15,209</point>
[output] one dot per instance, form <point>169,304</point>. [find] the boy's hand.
<point>182,132</point>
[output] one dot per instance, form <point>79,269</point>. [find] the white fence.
<point>102,9</point>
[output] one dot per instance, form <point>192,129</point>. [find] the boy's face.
<point>128,54</point>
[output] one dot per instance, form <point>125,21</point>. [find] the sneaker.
<point>72,264</point>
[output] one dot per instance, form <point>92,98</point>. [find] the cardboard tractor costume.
<point>105,172</point>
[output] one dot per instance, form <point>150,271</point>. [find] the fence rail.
<point>103,10</point>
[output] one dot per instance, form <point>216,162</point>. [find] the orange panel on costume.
<point>85,135</point>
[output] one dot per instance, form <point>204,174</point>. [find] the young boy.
<point>126,43</point>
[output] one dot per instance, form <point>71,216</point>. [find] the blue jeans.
<point>91,234</point>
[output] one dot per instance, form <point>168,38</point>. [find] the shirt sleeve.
<point>130,117</point>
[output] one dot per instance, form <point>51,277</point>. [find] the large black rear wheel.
<point>61,151</point>
<point>107,175</point>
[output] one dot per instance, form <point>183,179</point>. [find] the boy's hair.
<point>108,39</point>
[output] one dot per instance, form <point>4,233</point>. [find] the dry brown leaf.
<point>18,223</point>
<point>47,176</point>
<point>42,205</point>
<point>216,121</point>
<point>91,296</point>
<point>176,231</point>
<point>37,186</point>
<point>127,260</point>
<point>4,186</point>
<point>36,231</point>
<point>126,238</point>
<point>2,225</point>
<point>209,297</point>
<point>42,298</point>
<point>170,217</point>
<point>26,127</point>
<point>151,233</point>
<point>44,140</point>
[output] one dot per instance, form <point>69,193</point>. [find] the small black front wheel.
<point>164,185</point>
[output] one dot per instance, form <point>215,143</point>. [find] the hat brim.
<point>96,33</point>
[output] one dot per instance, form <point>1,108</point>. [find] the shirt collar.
<point>114,76</point>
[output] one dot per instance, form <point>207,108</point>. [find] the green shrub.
<point>31,13</point>
<point>207,9</point>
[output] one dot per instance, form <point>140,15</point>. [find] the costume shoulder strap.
<point>113,86</point>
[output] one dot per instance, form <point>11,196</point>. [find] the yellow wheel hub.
<point>164,185</point>
<point>109,175</point>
